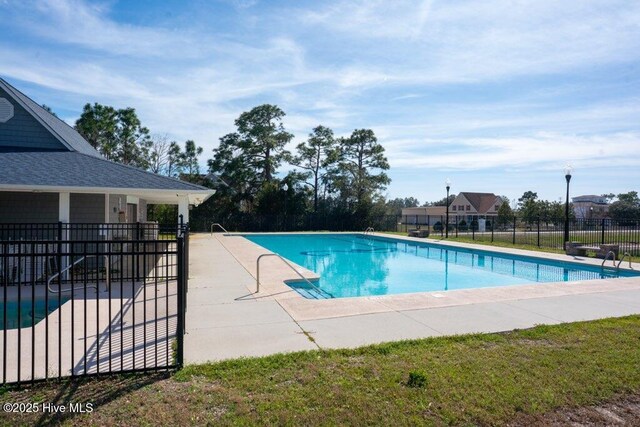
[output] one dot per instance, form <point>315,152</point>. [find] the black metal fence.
<point>85,306</point>
<point>87,231</point>
<point>249,222</point>
<point>540,232</point>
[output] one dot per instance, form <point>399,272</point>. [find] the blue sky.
<point>496,95</point>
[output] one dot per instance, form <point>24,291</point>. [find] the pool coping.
<point>274,275</point>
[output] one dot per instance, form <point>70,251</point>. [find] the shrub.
<point>417,379</point>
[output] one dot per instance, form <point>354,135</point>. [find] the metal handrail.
<point>369,230</point>
<point>219,225</point>
<point>78,261</point>
<point>613,260</point>
<point>291,267</point>
<point>626,254</point>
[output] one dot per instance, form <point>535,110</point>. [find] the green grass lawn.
<point>474,379</point>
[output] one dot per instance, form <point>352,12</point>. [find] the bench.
<point>418,233</point>
<point>579,249</point>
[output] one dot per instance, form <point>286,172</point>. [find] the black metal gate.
<point>76,307</point>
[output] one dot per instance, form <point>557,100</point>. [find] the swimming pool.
<point>352,265</point>
<point>24,314</point>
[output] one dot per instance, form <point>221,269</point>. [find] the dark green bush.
<point>417,379</point>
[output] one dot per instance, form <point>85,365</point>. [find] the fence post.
<point>473,231</point>
<point>181,302</point>
<point>456,225</point>
<point>59,246</point>
<point>186,261</point>
<point>538,231</point>
<point>493,225</point>
<point>602,238</point>
<point>514,230</point>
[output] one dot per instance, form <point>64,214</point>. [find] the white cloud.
<point>475,41</point>
<point>88,25</point>
<point>541,151</point>
<point>386,65</point>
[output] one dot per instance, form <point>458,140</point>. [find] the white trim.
<point>117,190</point>
<point>152,196</point>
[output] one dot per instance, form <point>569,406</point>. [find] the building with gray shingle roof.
<point>49,173</point>
<point>466,206</point>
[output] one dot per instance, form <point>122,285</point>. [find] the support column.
<point>64,216</point>
<point>183,208</point>
<point>106,208</point>
<point>64,207</point>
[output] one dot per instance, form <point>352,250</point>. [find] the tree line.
<point>254,173</point>
<point>119,136</point>
<point>251,168</point>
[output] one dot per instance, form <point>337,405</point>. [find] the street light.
<point>567,174</point>
<point>285,187</point>
<point>446,226</point>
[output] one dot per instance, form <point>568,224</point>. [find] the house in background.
<point>590,206</point>
<point>50,173</point>
<point>467,205</point>
<point>475,205</point>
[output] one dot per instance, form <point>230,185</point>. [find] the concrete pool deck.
<point>226,319</point>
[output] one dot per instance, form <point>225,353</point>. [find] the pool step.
<point>310,293</point>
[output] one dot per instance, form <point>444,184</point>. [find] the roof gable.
<point>19,131</point>
<point>57,129</point>
<point>481,202</point>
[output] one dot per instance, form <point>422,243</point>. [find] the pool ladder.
<point>318,290</point>
<point>626,254</point>
<point>69,267</point>
<point>613,260</point>
<point>369,231</point>
<point>219,225</point>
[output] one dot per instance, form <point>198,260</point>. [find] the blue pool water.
<point>351,265</point>
<point>28,314</point>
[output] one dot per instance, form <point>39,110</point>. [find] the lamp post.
<point>567,175</point>
<point>285,187</point>
<point>446,225</point>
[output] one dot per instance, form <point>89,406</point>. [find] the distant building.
<point>590,206</point>
<point>466,205</point>
<point>473,205</point>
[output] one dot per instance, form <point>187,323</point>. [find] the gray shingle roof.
<point>73,169</point>
<point>482,202</point>
<point>61,130</point>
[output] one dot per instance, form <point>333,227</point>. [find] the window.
<point>454,207</point>
<point>496,208</point>
<point>468,207</point>
<point>461,207</point>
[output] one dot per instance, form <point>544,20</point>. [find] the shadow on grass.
<point>97,391</point>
